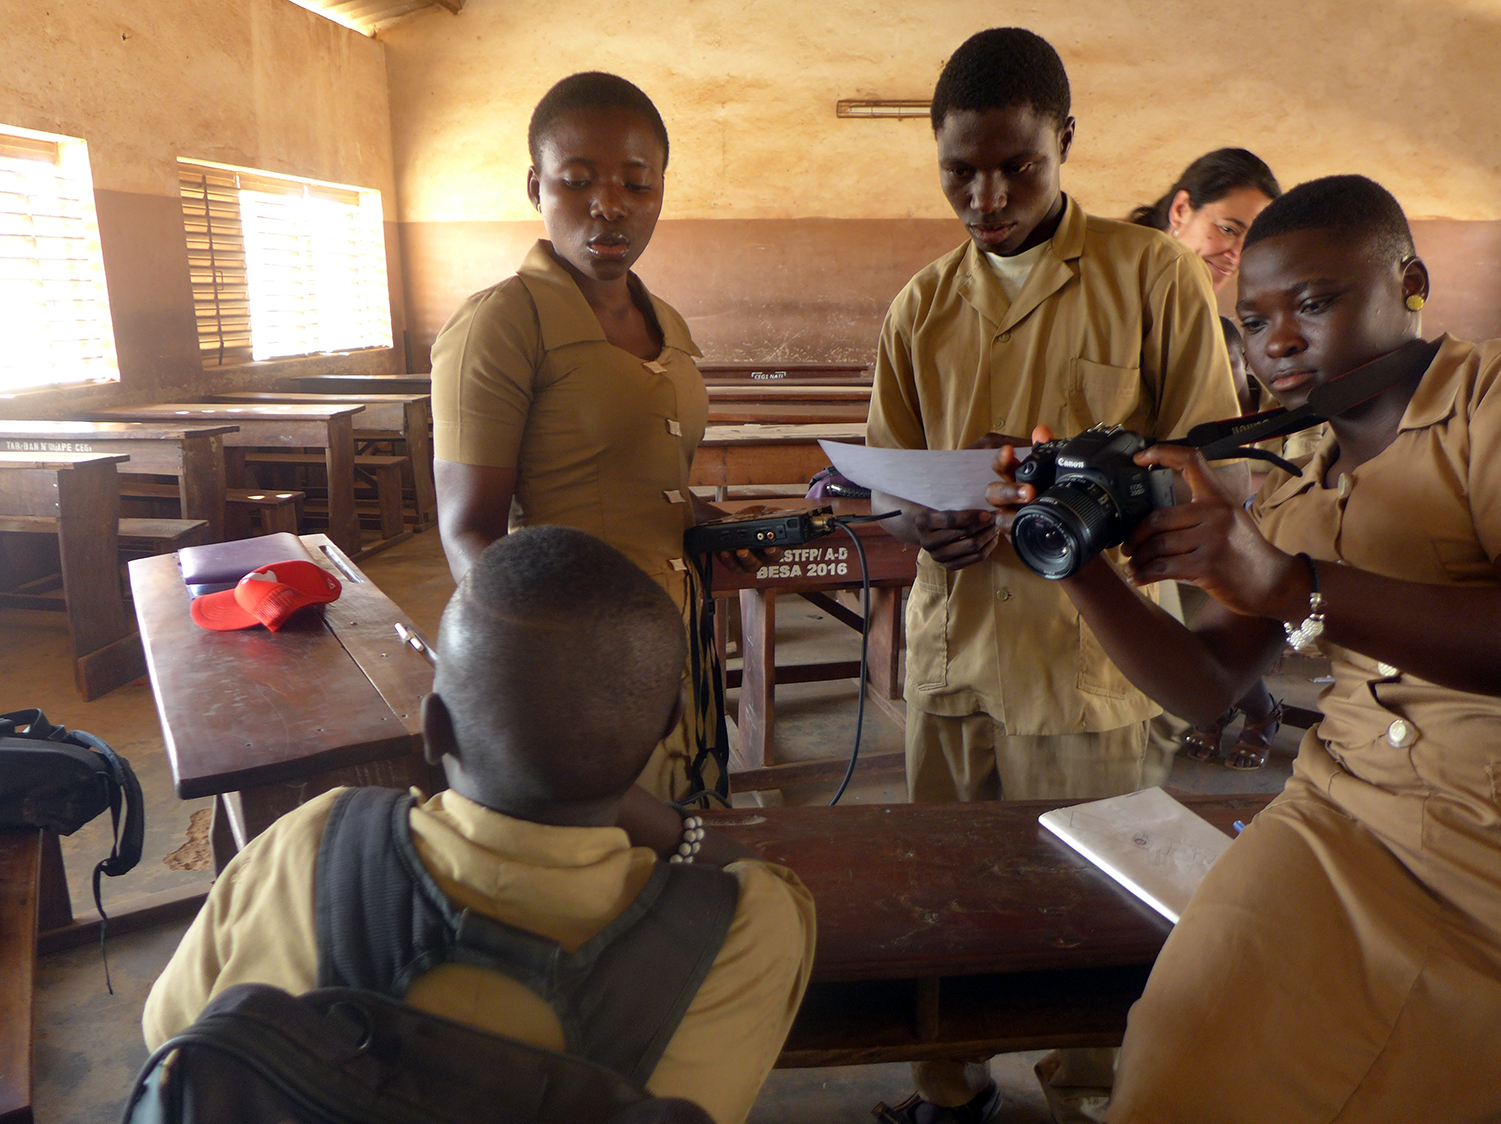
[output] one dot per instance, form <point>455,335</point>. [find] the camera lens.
<point>1064,528</point>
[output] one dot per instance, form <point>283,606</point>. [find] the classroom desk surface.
<point>828,374</point>
<point>766,454</point>
<point>779,392</point>
<point>1036,946</point>
<point>329,427</point>
<point>194,453</point>
<point>248,709</point>
<point>361,384</point>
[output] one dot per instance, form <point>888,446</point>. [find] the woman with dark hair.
<point>1212,206</point>
<point>567,394</point>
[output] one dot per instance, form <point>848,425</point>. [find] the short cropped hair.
<point>1352,206</point>
<point>1002,67</point>
<point>591,89</point>
<point>560,662</point>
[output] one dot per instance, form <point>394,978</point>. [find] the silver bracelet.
<point>1304,637</point>
<point>693,840</point>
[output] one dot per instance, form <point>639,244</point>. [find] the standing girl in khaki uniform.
<point>568,394</point>
<point>1342,961</point>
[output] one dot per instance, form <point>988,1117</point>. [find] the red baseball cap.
<point>266,596</point>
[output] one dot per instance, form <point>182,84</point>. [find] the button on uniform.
<point>1003,594</point>
<point>1386,670</point>
<point>1401,734</point>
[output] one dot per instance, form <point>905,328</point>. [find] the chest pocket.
<point>1100,394</point>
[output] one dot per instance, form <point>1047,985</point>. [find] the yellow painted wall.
<point>1402,90</point>
<point>258,83</point>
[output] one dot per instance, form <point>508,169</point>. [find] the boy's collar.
<point>982,289</point>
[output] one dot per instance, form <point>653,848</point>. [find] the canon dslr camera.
<point>1090,494</point>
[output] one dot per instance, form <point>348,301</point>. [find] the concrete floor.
<point>88,1042</point>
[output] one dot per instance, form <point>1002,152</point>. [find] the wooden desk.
<point>958,930</point>
<point>274,425</point>
<point>828,374</point>
<point>387,417</point>
<point>766,454</point>
<point>737,412</point>
<point>361,384</point>
<point>780,392</point>
<point>77,497</point>
<point>814,572</point>
<point>267,720</point>
<point>192,453</point>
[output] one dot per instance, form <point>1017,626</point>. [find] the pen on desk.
<point>411,638</point>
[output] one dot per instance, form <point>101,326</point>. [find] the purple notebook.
<point>219,565</point>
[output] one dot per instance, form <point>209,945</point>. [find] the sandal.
<point>1202,743</point>
<point>1255,742</point>
<point>915,1110</point>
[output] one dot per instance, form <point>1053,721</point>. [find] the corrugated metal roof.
<point>370,16</point>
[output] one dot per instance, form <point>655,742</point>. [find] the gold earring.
<point>1416,302</point>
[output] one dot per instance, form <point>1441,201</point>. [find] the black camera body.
<point>1090,495</point>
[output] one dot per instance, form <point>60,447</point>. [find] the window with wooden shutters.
<point>283,266</point>
<point>54,308</point>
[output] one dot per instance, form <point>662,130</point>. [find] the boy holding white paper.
<point>1047,315</point>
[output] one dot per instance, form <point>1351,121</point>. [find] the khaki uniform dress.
<point>564,883</point>
<point>600,439</point>
<point>1342,961</point>
<point>1008,693</point>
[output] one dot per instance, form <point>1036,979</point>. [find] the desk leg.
<point>420,453</point>
<point>343,520</point>
<point>106,647</point>
<point>758,649</point>
<point>885,647</point>
<point>201,485</point>
<point>54,903</point>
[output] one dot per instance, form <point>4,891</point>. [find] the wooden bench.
<point>959,930</point>
<point>248,511</point>
<point>382,473</point>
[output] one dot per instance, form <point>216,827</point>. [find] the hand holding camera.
<point>1213,543</point>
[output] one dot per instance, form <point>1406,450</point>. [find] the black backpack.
<point>59,780</point>
<point>351,1051</point>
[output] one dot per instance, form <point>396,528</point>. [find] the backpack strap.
<point>631,984</point>
<point>383,921</point>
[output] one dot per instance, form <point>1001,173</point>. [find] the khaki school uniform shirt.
<point>1116,324</point>
<point>1418,764</point>
<point>601,440</point>
<point>563,883</point>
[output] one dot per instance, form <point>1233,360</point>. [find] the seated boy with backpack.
<point>558,671</point>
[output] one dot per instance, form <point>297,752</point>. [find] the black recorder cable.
<point>843,524</point>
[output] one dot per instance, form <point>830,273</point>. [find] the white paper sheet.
<point>1147,841</point>
<point>944,480</point>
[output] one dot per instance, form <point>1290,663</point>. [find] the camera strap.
<point>1222,440</point>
